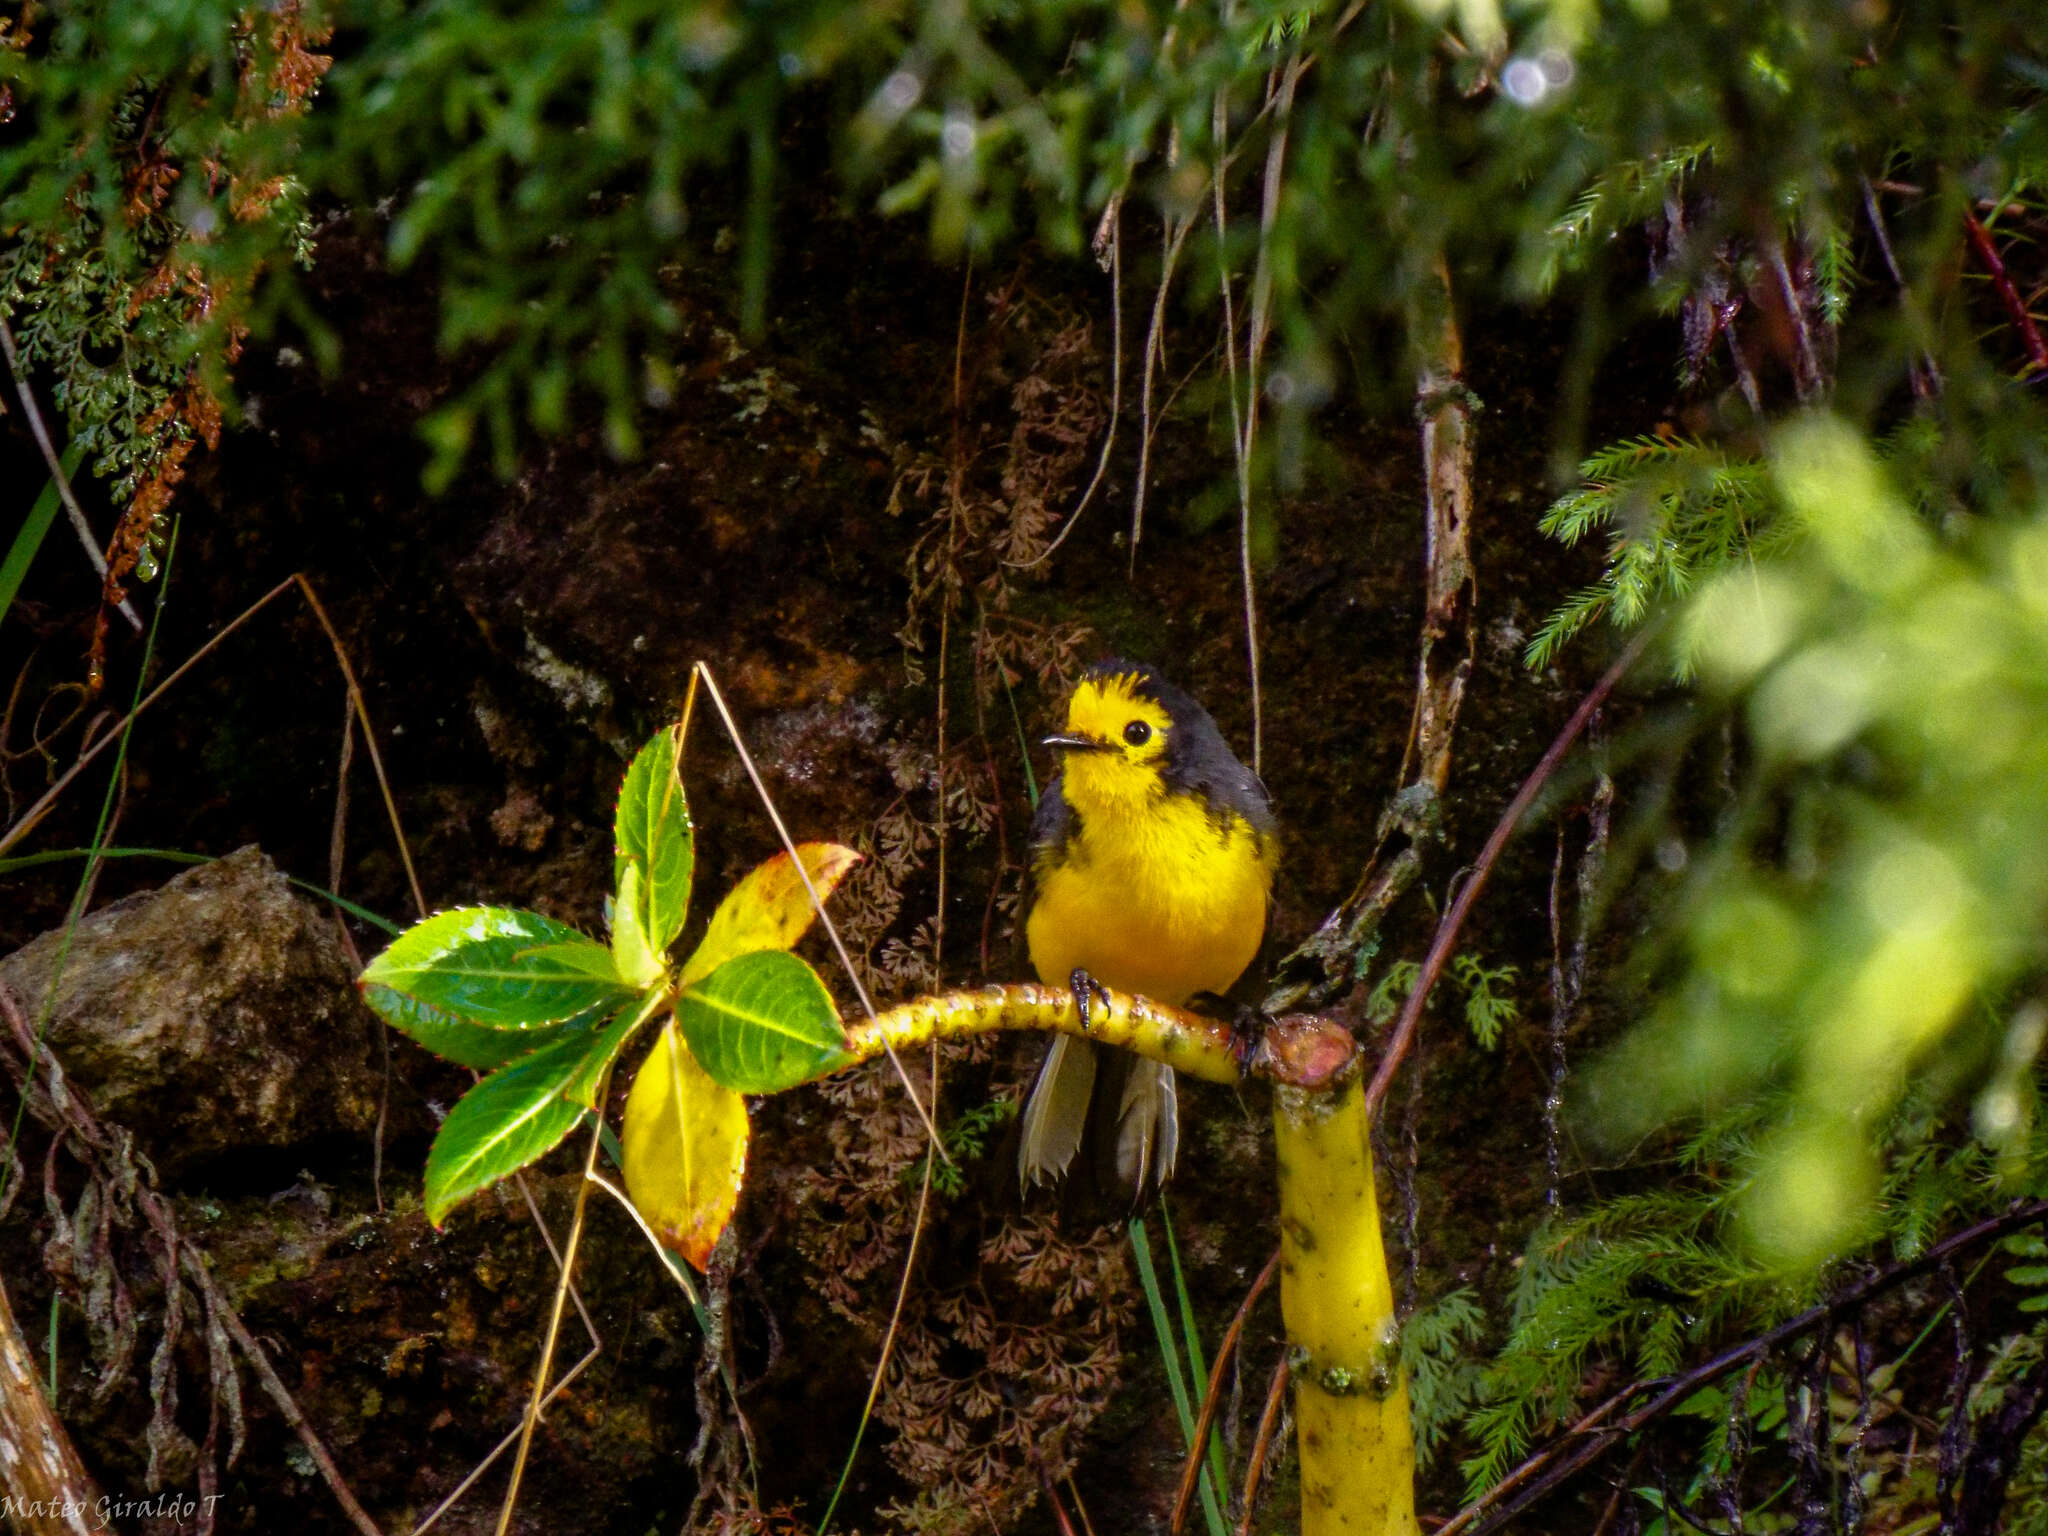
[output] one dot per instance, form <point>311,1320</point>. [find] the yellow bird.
<point>1152,859</point>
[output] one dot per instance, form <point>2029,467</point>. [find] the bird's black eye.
<point>1137,733</point>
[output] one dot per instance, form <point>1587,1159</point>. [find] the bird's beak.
<point>1075,744</point>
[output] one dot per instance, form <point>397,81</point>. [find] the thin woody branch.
<point>1303,1050</point>
<point>1322,967</point>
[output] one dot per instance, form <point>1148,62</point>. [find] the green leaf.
<point>512,1117</point>
<point>653,831</point>
<point>633,954</point>
<point>460,1040</point>
<point>583,956</point>
<point>761,1023</point>
<point>497,966</point>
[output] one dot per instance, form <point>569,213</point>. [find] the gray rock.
<point>215,1014</point>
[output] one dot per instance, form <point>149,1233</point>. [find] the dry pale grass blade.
<point>562,1290</point>
<point>1109,237</point>
<point>653,1239</point>
<point>362,709</point>
<point>867,1004</point>
<point>26,822</point>
<point>924,1195</point>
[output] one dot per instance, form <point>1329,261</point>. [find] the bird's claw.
<point>1247,1034</point>
<point>1083,986</point>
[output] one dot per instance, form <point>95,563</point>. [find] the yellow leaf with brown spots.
<point>769,909</point>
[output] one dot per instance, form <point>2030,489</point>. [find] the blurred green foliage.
<point>1878,883</point>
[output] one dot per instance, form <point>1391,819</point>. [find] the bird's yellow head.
<point>1118,733</point>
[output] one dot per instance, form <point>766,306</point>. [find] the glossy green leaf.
<point>761,1023</point>
<point>460,1040</point>
<point>652,830</point>
<point>633,954</point>
<point>512,1117</point>
<point>498,966</point>
<point>582,956</point>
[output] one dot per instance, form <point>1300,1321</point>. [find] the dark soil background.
<point>516,640</point>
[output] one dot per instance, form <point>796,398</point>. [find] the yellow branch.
<point>1350,1399</point>
<point>1305,1050</point>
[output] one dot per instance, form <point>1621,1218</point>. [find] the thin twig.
<point>71,1110</point>
<point>2008,295</point>
<point>1454,920</point>
<point>1926,373</point>
<point>337,848</point>
<point>1111,234</point>
<point>1258,331</point>
<point>1191,1469</point>
<point>1808,378</point>
<point>1555,1463</point>
<point>867,1003</point>
<point>34,813</point>
<point>1052,1502</point>
<point>355,692</point>
<point>1155,354</point>
<point>41,433</point>
<point>1444,406</point>
<point>275,1389</point>
<point>924,1195</point>
<point>1240,422</point>
<point>1269,1424</point>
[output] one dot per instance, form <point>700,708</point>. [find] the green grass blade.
<point>180,856</point>
<point>1218,1472</point>
<point>1169,1355</point>
<point>1023,742</point>
<point>30,537</point>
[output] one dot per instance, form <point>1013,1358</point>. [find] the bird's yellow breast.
<point>1154,894</point>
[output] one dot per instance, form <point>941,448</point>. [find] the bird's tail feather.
<point>1056,1114</point>
<point>1147,1129</point>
